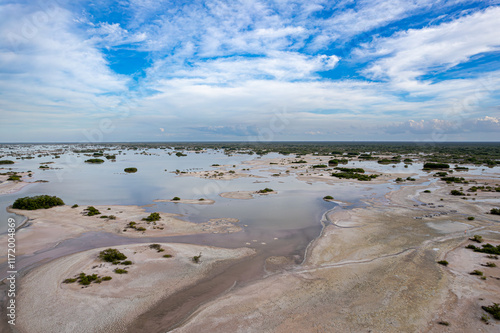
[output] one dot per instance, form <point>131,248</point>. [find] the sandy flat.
<point>373,269</point>
<point>50,226</point>
<point>48,305</point>
<point>243,195</point>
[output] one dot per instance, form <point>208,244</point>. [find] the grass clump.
<point>120,271</point>
<point>266,190</point>
<point>37,202</point>
<point>130,170</point>
<point>167,256</point>
<point>74,206</point>
<point>6,162</point>
<point>328,197</point>
<point>456,192</point>
<point>490,264</point>
<point>476,272</point>
<point>126,263</point>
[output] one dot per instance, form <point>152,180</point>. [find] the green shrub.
<point>179,154</point>
<point>167,256</point>
<point>140,229</point>
<point>106,278</point>
<point>443,262</point>
<point>477,238</point>
<point>14,178</point>
<point>430,165</point>
<point>111,255</point>
<point>120,271</point>
<point>471,218</point>
<point>444,323</point>
<point>196,259</point>
<point>74,206</point>
<point>319,166</point>
<point>130,170</point>
<point>266,190</point>
<point>495,211</point>
<point>156,247</point>
<point>476,272</point>
<point>427,191</point>
<point>456,192</point>
<point>493,310</point>
<point>6,162</point>
<point>176,198</point>
<point>37,202</point>
<point>91,211</point>
<point>490,264</point>
<point>94,161</point>
<point>328,197</point>
<point>126,262</point>
<point>152,217</point>
<point>70,280</point>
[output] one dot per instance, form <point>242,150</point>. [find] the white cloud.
<point>410,54</point>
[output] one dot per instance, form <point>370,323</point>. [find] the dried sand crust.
<point>50,226</point>
<point>373,269</point>
<point>188,201</point>
<point>243,195</point>
<point>48,305</point>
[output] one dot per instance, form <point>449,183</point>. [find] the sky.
<point>282,70</point>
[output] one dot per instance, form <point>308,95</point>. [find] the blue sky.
<point>144,70</point>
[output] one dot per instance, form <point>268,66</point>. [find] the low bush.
<point>94,161</point>
<point>6,162</point>
<point>152,217</point>
<point>495,211</point>
<point>477,239</point>
<point>443,262</point>
<point>176,199</point>
<point>328,197</point>
<point>37,202</point>
<point>120,271</point>
<point>196,259</point>
<point>91,211</point>
<point>493,310</point>
<point>111,255</point>
<point>167,256</point>
<point>266,190</point>
<point>130,170</point>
